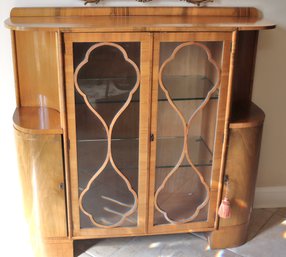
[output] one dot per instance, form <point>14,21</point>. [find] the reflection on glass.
<point>186,131</point>
<point>109,199</point>
<point>190,87</point>
<point>107,176</point>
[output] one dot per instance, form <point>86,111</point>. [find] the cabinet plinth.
<point>132,133</point>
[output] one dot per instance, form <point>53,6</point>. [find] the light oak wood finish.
<point>227,110</point>
<point>186,124</point>
<point>45,118</point>
<point>63,115</point>
<point>136,11</point>
<point>52,247</point>
<point>108,130</point>
<point>15,64</point>
<point>145,65</point>
<point>41,173</point>
<point>57,248</point>
<point>37,68</point>
<point>209,116</point>
<point>37,120</point>
<point>136,19</point>
<point>224,86</point>
<point>241,167</point>
<point>137,24</point>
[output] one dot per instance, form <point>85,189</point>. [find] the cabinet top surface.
<point>137,19</point>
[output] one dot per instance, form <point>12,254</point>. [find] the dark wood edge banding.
<point>249,117</point>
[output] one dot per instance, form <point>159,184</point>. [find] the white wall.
<point>269,93</point>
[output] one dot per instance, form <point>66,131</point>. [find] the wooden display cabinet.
<point>129,119</point>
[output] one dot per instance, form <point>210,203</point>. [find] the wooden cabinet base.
<point>228,236</point>
<point>57,248</point>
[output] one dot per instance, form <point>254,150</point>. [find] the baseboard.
<point>270,197</point>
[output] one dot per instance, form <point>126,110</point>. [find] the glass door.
<point>188,119</point>
<point>108,91</point>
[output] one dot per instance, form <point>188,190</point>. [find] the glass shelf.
<point>116,90</point>
<point>191,87</point>
<point>199,152</point>
<point>108,90</point>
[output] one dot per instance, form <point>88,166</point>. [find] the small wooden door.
<point>108,108</point>
<point>189,117</point>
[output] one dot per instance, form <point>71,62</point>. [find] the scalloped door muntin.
<point>188,94</point>
<point>107,78</point>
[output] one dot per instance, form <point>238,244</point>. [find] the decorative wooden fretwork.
<point>186,124</point>
<point>108,129</point>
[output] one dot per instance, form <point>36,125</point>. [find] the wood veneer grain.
<point>57,248</point>
<point>15,65</point>
<point>41,175</point>
<point>135,11</point>
<point>145,66</point>
<point>221,123</point>
<point>37,120</point>
<point>37,68</point>
<point>137,19</point>
<point>247,116</point>
<point>244,67</point>
<point>241,167</point>
<point>63,120</point>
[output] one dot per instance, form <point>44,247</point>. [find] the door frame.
<point>145,40</point>
<point>221,129</point>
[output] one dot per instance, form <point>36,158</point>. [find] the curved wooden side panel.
<point>241,167</point>
<point>41,175</point>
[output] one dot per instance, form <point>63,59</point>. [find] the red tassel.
<point>224,210</point>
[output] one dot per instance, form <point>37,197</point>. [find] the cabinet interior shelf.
<point>116,90</point>
<point>200,153</point>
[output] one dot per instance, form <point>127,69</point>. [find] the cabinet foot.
<point>57,248</point>
<point>228,237</point>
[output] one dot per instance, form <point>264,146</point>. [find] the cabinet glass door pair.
<point>146,115</point>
